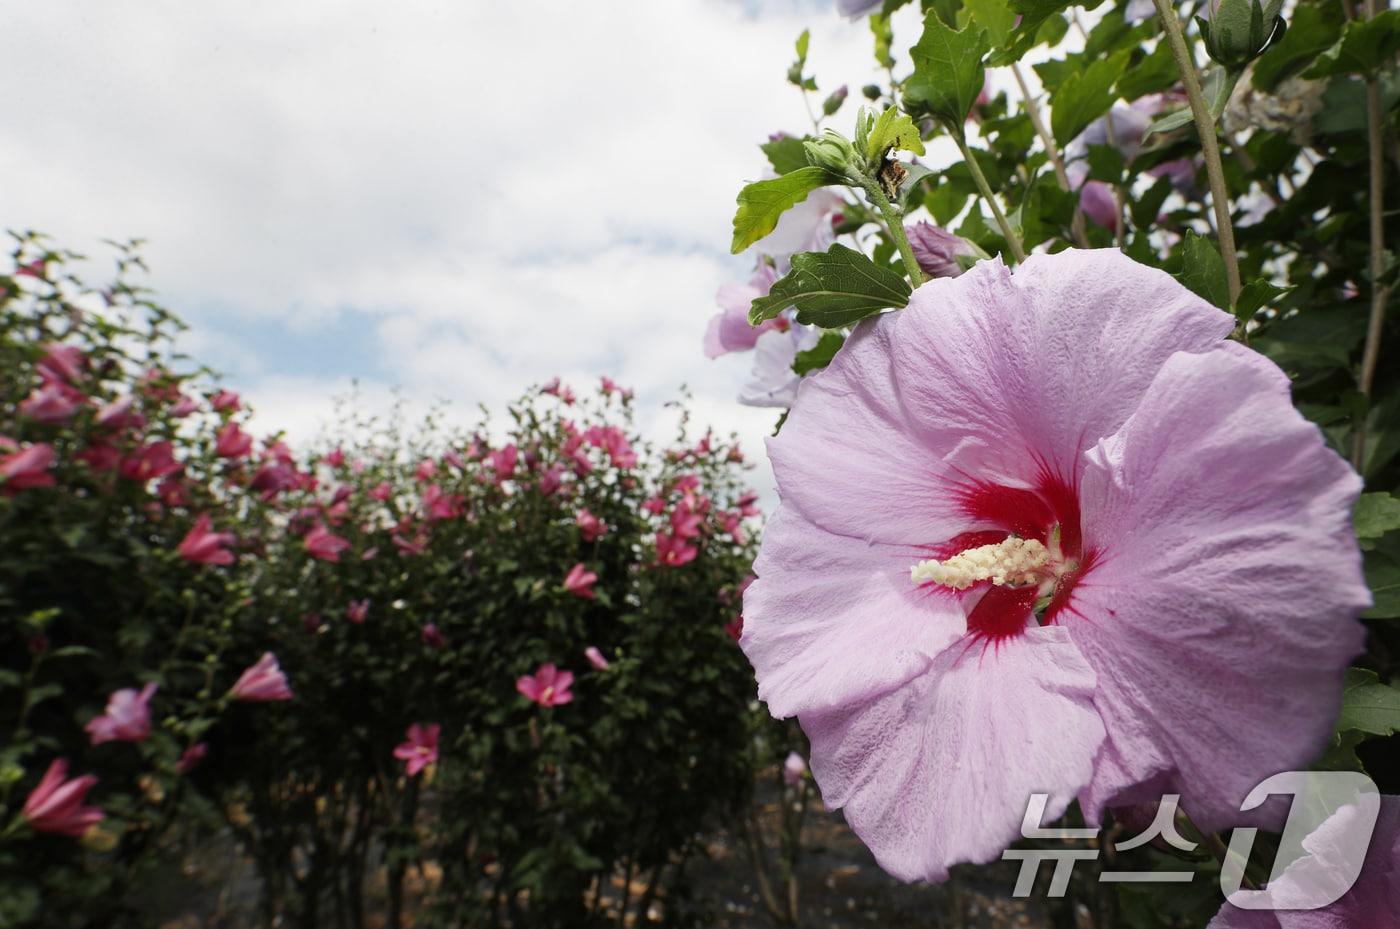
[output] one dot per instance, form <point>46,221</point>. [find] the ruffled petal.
<point>1026,371</point>
<point>1223,611</point>
<point>833,620</point>
<point>941,770</point>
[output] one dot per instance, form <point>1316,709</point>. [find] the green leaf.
<point>1383,577</point>
<point>1203,270</point>
<point>785,154</point>
<point>995,16</point>
<point>1365,47</point>
<point>762,203</point>
<point>803,41</point>
<point>893,130</point>
<point>1254,296</point>
<point>832,289</point>
<point>948,71</point>
<point>1026,35</point>
<point>1216,90</point>
<point>1368,705</point>
<point>1375,515</point>
<point>1084,96</point>
<point>1153,73</point>
<point>1314,29</point>
<point>819,355</point>
<point>884,36</point>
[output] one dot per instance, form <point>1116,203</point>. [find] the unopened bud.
<point>1237,31</point>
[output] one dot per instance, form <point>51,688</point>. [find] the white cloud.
<point>500,192</point>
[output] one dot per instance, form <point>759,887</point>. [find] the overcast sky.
<point>454,198</point>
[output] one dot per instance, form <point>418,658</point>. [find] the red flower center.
<point>1048,513</point>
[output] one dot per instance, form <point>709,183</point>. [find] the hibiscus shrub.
<point>501,661</point>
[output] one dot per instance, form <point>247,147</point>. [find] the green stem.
<point>1052,151</point>
<point>895,222</point>
<point>985,189</point>
<point>1371,354</point>
<point>1210,144</point>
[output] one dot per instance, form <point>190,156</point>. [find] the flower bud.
<point>833,102</point>
<point>833,152</point>
<point>937,250</point>
<point>1237,31</point>
<point>872,91</point>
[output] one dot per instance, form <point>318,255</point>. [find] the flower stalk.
<point>1013,240</point>
<point>1052,151</point>
<point>895,222</point>
<point>1210,143</point>
<point>1380,293</point>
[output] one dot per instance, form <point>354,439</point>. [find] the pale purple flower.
<point>772,382</point>
<point>596,659</point>
<point>807,227</point>
<point>937,250</point>
<point>794,769</point>
<point>1130,122</point>
<point>1374,900</point>
<point>855,9</point>
<point>127,717</point>
<point>1176,580</point>
<point>1098,203</point>
<point>729,329</point>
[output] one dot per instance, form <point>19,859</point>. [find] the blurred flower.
<point>381,491</point>
<point>548,686</point>
<point>62,362</point>
<point>321,543</point>
<point>674,551</point>
<point>438,505</point>
<point>999,567</point>
<point>357,611</point>
<point>51,402</point>
<point>685,522</point>
<point>772,382</point>
<point>579,581</point>
<point>735,628</point>
<point>201,544</point>
<point>794,769</point>
<point>56,803</point>
<point>806,227</point>
<point>551,479</point>
<point>855,9</point>
<point>150,462</point>
<point>420,748</point>
<point>1097,201</point>
<point>425,470</point>
<point>116,414</point>
<point>183,407</point>
<point>25,467</point>
<point>590,526</point>
<point>733,524</point>
<point>191,757</point>
<point>937,250</point>
<point>1182,173</point>
<point>127,719</point>
<point>225,401</point>
<point>729,329</point>
<point>432,637</point>
<point>503,462</point>
<point>595,658</point>
<point>262,681</point>
<point>232,442</point>
<point>334,458</point>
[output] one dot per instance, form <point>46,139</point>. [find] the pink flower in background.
<point>416,544</point>
<point>794,769</point>
<point>685,522</point>
<point>183,407</point>
<point>590,526</point>
<point>548,686</point>
<point>381,491</point>
<point>655,505</point>
<point>205,546</point>
<point>735,628</point>
<point>1372,901</point>
<point>937,250</point>
<point>733,524</point>
<point>100,456</point>
<point>551,479</point>
<point>425,470</point>
<point>25,468</point>
<point>272,478</point>
<point>420,747</point>
<point>439,505</point>
<point>772,382</point>
<point>321,543</point>
<point>674,551</point>
<point>357,611</point>
<point>262,681</point>
<point>51,402</point>
<point>232,442</point>
<point>610,387</point>
<point>334,458</point>
<point>191,757</point>
<point>116,414</point>
<point>729,329</point>
<point>1024,547</point>
<point>150,462</point>
<point>225,401</point>
<point>503,462</point>
<point>62,362</point>
<point>579,581</point>
<point>806,227</point>
<point>127,718</point>
<point>551,387</point>
<point>56,804</point>
<point>1097,201</point>
<point>432,636</point>
<point>686,483</point>
<point>596,659</point>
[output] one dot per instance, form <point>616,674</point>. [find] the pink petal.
<point>940,771</point>
<point>1230,582</point>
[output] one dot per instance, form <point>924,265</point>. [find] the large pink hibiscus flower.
<point>1049,532</point>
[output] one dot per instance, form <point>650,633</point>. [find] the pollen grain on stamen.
<point>1012,561</point>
